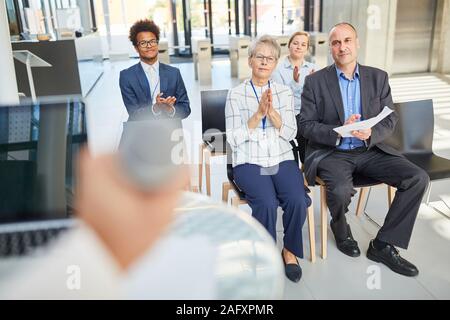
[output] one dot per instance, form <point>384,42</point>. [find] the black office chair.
<point>213,132</point>
<point>362,182</point>
<point>240,197</point>
<point>413,137</point>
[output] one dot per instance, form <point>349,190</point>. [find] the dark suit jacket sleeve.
<point>386,127</point>
<point>309,124</point>
<point>128,96</point>
<point>182,108</point>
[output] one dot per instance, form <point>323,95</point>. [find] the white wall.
<point>375,22</point>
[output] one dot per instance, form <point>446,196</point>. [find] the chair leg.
<point>235,201</point>
<point>428,193</point>
<point>312,233</point>
<point>391,195</point>
<point>361,201</point>
<point>208,171</point>
<point>200,166</point>
<point>226,187</point>
<point>324,220</point>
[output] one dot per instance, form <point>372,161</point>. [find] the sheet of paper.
<point>345,131</point>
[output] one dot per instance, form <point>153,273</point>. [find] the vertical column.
<point>444,48</point>
<point>107,23</point>
<point>173,12</point>
<point>123,6</point>
<point>8,83</point>
<point>85,12</point>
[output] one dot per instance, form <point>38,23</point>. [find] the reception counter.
<point>74,71</point>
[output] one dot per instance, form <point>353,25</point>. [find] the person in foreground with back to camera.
<point>122,247</point>
<point>292,72</point>
<point>344,93</point>
<point>260,122</point>
<point>149,84</point>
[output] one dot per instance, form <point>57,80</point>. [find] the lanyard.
<point>264,120</point>
<point>154,90</point>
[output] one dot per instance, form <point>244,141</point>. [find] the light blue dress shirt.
<point>351,99</point>
<point>284,75</point>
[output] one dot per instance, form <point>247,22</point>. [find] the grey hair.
<point>268,41</point>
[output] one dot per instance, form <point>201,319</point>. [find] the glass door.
<point>222,15</point>
<point>269,15</point>
<point>214,19</point>
<point>13,18</point>
<point>293,16</point>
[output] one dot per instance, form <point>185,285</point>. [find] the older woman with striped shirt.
<point>260,122</point>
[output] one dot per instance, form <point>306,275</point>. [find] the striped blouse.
<point>264,147</point>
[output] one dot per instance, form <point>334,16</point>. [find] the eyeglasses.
<point>146,43</point>
<point>261,58</point>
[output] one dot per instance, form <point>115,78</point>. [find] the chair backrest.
<point>213,110</point>
<point>415,127</point>
<point>213,118</point>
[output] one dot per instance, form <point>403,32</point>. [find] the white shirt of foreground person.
<point>79,266</point>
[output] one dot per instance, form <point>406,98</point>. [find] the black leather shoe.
<point>292,270</point>
<point>390,257</point>
<point>348,245</point>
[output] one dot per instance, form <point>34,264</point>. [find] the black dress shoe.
<point>292,270</point>
<point>348,245</point>
<point>390,257</point>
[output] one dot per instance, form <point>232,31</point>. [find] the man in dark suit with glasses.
<point>150,86</point>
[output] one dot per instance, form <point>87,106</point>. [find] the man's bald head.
<point>343,24</point>
<point>344,45</point>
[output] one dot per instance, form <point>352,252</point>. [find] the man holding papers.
<point>346,93</point>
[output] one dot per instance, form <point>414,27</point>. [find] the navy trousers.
<point>268,188</point>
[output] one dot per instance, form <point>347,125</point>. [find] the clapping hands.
<point>166,104</point>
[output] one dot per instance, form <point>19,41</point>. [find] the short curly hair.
<point>143,26</point>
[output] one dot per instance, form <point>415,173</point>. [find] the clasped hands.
<point>359,134</point>
<point>265,108</point>
<point>165,104</point>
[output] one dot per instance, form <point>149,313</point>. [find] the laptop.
<point>39,145</point>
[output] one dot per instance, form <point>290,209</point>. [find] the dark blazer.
<point>136,90</point>
<point>323,110</point>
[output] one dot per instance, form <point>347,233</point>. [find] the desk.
<point>71,73</point>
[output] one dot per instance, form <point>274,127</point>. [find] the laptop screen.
<point>39,144</point>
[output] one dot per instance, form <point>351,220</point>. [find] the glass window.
<point>123,14</point>
<point>34,17</point>
<point>116,17</point>
<point>294,16</point>
<point>220,22</point>
<point>317,16</point>
<point>13,22</point>
<point>269,17</point>
<point>198,18</point>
